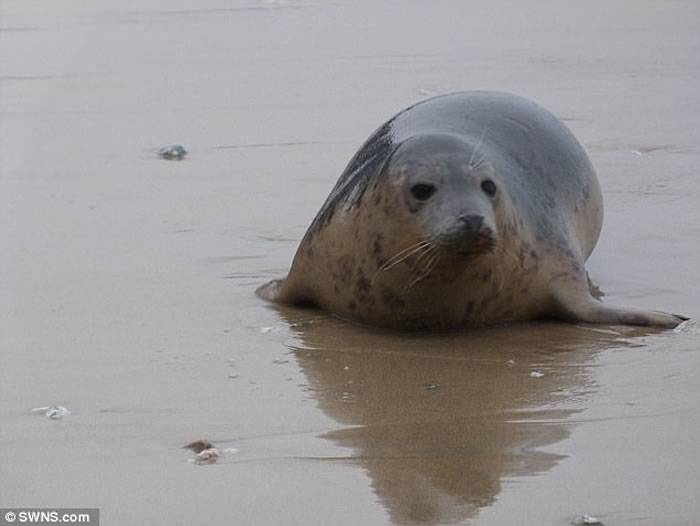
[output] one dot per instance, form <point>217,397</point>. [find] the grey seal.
<point>464,210</point>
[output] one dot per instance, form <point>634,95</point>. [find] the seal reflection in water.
<point>464,210</point>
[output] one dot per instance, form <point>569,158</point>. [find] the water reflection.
<point>439,422</point>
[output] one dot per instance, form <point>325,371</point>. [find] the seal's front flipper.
<point>583,308</point>
<point>272,291</point>
<point>283,291</point>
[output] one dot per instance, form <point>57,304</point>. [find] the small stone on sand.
<point>199,445</point>
<point>174,152</point>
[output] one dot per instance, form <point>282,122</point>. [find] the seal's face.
<point>450,190</point>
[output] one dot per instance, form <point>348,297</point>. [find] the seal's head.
<point>451,190</point>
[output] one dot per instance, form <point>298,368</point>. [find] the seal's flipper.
<point>582,307</point>
<point>284,291</point>
<point>599,313</point>
<point>272,291</point>
<point>594,289</point>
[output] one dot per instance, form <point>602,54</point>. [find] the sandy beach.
<point>127,281</point>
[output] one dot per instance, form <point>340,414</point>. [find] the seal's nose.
<point>468,233</point>
<point>471,223</point>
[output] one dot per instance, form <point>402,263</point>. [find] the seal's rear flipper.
<point>583,308</point>
<point>594,289</point>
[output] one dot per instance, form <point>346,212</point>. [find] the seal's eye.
<point>422,191</point>
<point>489,187</point>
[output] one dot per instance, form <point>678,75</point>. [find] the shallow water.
<point>127,281</point>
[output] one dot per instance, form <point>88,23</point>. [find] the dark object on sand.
<point>199,445</point>
<point>174,152</point>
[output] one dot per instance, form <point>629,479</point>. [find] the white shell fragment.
<point>54,412</point>
<point>587,520</point>
<point>536,374</point>
<point>207,456</point>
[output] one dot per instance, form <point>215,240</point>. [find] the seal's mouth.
<point>473,244</point>
<point>485,240</point>
<point>467,237</point>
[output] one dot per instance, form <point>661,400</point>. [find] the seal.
<point>464,210</point>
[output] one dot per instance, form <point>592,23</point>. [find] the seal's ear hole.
<point>489,187</point>
<point>422,191</point>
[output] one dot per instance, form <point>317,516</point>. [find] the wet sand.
<point>127,281</point>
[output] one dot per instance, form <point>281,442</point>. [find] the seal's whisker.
<point>479,163</point>
<point>419,243</point>
<point>429,267</point>
<point>478,145</point>
<point>404,254</point>
<point>401,256</point>
<point>437,253</point>
<point>432,264</point>
<point>426,253</point>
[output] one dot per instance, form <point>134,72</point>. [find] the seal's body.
<point>468,209</point>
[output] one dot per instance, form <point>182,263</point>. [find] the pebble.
<point>174,152</point>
